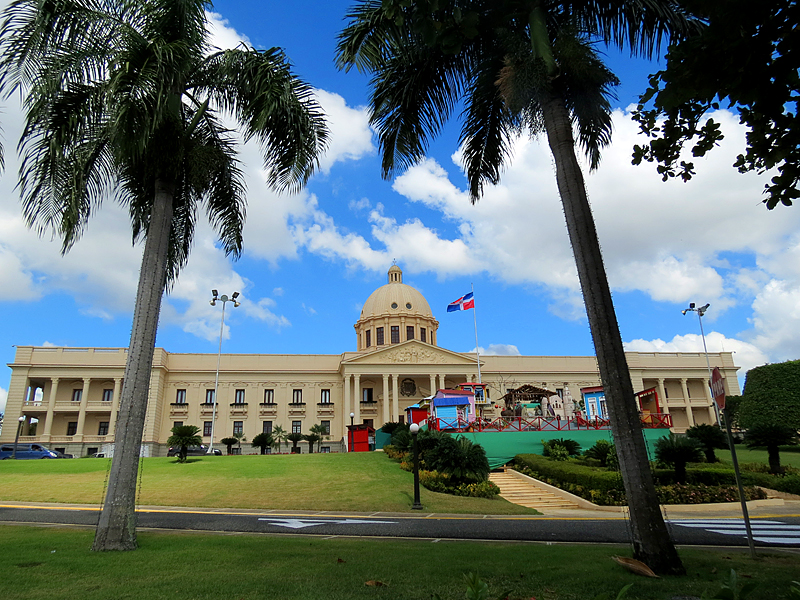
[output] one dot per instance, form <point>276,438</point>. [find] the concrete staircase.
<point>525,493</point>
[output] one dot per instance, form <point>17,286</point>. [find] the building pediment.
<point>411,352</point>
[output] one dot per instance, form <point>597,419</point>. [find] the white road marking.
<point>770,532</point>
<point>302,523</point>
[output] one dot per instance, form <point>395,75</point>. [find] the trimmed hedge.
<point>440,482</point>
<point>605,488</point>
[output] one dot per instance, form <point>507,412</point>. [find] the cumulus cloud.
<point>3,398</point>
<point>498,350</point>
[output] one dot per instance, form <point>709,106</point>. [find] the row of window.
<point>102,428</point>
<point>269,396</point>
<point>77,395</point>
<point>395,335</point>
<point>238,427</point>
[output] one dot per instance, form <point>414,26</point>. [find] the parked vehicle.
<point>26,451</point>
<point>60,454</point>
<point>193,451</point>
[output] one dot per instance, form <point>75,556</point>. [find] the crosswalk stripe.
<point>770,532</point>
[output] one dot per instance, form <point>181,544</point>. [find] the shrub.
<point>789,484</point>
<point>462,460</point>
<point>700,494</point>
<point>435,481</point>
<point>442,483</point>
<point>572,447</point>
<point>677,451</point>
<point>710,438</point>
<point>601,451</point>
<point>483,489</point>
<point>558,452</point>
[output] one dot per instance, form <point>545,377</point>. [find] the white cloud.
<point>746,355</point>
<point>498,350</point>
<point>351,137</point>
<point>776,320</point>
<point>223,36</point>
<point>3,399</point>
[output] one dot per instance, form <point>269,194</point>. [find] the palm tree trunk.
<point>651,541</point>
<point>116,529</point>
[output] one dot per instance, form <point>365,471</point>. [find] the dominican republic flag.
<point>463,303</point>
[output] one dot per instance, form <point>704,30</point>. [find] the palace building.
<point>68,397</point>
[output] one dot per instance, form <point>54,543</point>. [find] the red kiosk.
<point>360,438</point>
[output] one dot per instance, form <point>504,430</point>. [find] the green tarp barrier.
<point>381,439</point>
<point>502,446</point>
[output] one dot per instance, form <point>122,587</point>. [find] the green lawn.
<point>790,456</point>
<point>54,563</point>
<point>360,482</point>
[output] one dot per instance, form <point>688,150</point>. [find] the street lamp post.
<point>224,299</point>
<point>415,450</point>
<point>700,312</point>
<point>16,439</point>
<point>352,416</point>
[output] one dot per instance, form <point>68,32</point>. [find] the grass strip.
<point>356,481</point>
<point>43,563</point>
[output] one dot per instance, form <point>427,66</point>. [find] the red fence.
<point>651,421</point>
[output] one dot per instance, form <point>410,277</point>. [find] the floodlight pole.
<point>224,299</point>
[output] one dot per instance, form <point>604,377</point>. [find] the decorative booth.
<point>360,438</point>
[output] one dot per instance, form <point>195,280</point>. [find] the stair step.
<point>525,493</point>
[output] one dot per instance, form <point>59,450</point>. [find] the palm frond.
<point>368,39</point>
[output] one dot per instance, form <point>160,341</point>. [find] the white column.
<point>687,403</point>
<point>51,407</point>
<point>662,394</point>
<point>346,419</point>
<point>357,403</point>
<point>112,425</point>
<point>395,399</point>
<point>712,413</point>
<point>82,413</point>
<point>386,413</point>
<point>433,383</point>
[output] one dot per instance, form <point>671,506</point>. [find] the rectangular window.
<point>395,334</point>
<point>325,397</point>
<point>102,428</point>
<point>366,395</point>
<point>237,451</point>
<point>108,395</point>
<point>368,422</point>
<point>422,336</point>
<point>209,396</point>
<point>177,424</point>
<point>409,332</point>
<point>379,336</point>
<point>269,396</point>
<point>325,450</point>
<point>238,427</point>
<point>560,392</point>
<point>76,395</point>
<point>72,428</point>
<point>327,426</point>
<point>268,450</point>
<point>297,396</point>
<point>368,337</point>
<point>180,397</point>
<point>238,397</point>
<point>206,428</point>
<point>297,426</point>
<point>266,427</point>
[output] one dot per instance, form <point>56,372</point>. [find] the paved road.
<point>781,532</point>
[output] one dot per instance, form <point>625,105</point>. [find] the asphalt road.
<point>783,532</point>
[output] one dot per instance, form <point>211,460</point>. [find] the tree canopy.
<point>771,396</point>
<point>745,59</point>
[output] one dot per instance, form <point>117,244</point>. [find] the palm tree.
<point>771,436</point>
<point>522,65</point>
<point>184,436</point>
<point>279,435</point>
<point>295,437</point>
<point>321,431</point>
<point>228,442</point>
<point>678,450</point>
<point>126,98</point>
<point>262,441</point>
<point>240,437</point>
<point>710,437</point>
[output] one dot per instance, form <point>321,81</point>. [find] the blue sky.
<point>311,259</point>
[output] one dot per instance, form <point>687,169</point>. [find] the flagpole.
<point>475,318</point>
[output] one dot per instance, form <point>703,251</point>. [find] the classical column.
<point>688,404</point>
<point>386,416</point>
<point>112,424</point>
<point>357,402</point>
<point>395,398</point>
<point>82,413</point>
<point>433,383</point>
<point>442,381</point>
<point>663,395</point>
<point>51,407</point>
<point>712,413</point>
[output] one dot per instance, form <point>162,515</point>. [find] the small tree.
<point>322,432</point>
<point>240,437</point>
<point>460,458</point>
<point>709,437</point>
<point>263,441</point>
<point>572,447</point>
<point>677,451</point>
<point>312,438</point>
<point>601,451</point>
<point>771,436</point>
<point>279,435</point>
<point>184,436</point>
<point>294,438</point>
<point>229,442</point>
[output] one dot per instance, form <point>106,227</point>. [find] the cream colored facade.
<point>72,394</point>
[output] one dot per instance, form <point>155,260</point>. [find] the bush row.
<point>605,488</point>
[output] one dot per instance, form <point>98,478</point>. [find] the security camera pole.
<point>224,299</point>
